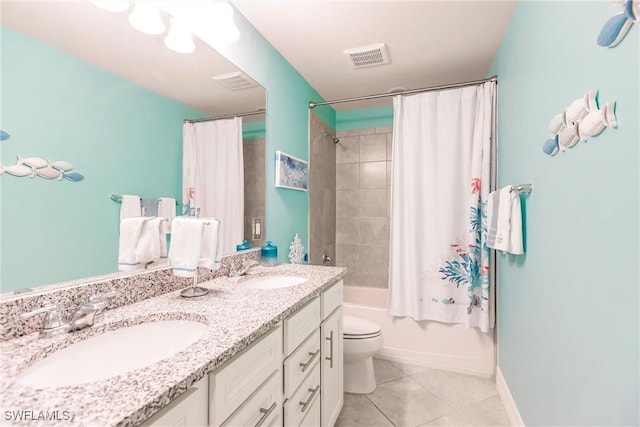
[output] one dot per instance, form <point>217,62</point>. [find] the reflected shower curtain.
<point>213,176</point>
<point>439,261</point>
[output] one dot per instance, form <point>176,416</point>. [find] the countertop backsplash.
<point>129,289</point>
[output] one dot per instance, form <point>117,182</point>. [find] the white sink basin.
<point>113,353</point>
<point>271,282</point>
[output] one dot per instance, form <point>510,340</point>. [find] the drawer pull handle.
<point>330,358</point>
<point>313,391</point>
<point>265,413</point>
<point>313,356</point>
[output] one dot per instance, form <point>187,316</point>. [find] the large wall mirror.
<point>81,85</point>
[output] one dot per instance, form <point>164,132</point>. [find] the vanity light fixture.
<point>146,18</point>
<point>179,38</point>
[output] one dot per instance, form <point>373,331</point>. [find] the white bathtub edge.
<point>507,400</point>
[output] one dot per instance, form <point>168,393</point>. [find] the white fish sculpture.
<point>18,170</point>
<point>49,173</point>
<point>62,165</point>
<point>34,162</point>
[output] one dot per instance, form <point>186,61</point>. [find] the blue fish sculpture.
<point>73,176</point>
<point>4,135</point>
<point>616,28</point>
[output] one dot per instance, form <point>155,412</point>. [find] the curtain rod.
<point>228,116</point>
<point>404,92</point>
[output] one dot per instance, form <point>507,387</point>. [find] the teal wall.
<point>124,139</point>
<point>287,128</point>
<point>364,118</point>
<point>253,130</point>
<point>568,312</point>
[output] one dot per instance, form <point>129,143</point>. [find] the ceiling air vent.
<point>367,56</point>
<point>235,81</point>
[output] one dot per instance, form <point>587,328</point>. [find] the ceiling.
<point>431,42</point>
<point>106,40</point>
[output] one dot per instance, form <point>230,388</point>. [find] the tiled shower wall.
<point>322,192</point>
<point>363,170</point>
<point>254,188</point>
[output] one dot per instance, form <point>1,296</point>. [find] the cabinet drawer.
<point>232,383</point>
<point>263,408</point>
<point>300,325</point>
<point>331,299</point>
<point>189,409</point>
<point>300,404</point>
<point>312,419</point>
<point>300,363</point>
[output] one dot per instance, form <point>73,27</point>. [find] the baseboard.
<point>507,400</point>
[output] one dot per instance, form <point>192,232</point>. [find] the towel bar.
<point>522,188</point>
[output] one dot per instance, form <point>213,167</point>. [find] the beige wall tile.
<point>348,150</point>
<point>374,203</point>
<point>373,148</point>
<point>373,175</point>
<point>348,176</point>
<point>373,231</point>
<point>347,230</point>
<point>348,203</point>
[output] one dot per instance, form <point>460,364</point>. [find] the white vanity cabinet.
<point>331,381</point>
<point>291,376</point>
<point>247,390</point>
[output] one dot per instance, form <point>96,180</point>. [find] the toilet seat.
<point>359,329</point>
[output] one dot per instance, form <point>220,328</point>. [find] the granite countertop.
<point>235,317</point>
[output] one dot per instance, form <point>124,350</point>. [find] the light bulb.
<point>146,18</point>
<point>112,5</point>
<point>179,38</point>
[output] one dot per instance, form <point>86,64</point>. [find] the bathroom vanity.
<point>268,357</point>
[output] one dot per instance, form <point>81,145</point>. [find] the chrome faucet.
<point>243,268</point>
<point>52,323</point>
<point>86,315</point>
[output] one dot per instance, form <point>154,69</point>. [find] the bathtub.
<point>425,343</point>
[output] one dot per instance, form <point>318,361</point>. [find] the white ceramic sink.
<point>113,353</point>
<point>271,282</point>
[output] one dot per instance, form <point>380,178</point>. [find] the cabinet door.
<point>331,378</point>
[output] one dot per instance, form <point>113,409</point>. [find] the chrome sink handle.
<point>100,304</point>
<point>90,312</point>
<point>52,323</point>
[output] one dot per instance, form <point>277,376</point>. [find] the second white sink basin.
<point>113,353</point>
<point>271,282</point>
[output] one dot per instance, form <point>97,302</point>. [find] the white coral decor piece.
<point>296,251</point>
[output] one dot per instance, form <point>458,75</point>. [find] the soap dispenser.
<point>269,254</point>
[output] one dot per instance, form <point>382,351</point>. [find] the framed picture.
<point>291,172</point>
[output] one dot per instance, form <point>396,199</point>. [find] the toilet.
<point>361,339</point>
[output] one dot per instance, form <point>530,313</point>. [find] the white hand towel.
<point>130,230</point>
<point>148,247</point>
<point>130,207</point>
<point>504,217</point>
<point>211,244</point>
<point>516,246</point>
<point>186,246</point>
<point>167,210</point>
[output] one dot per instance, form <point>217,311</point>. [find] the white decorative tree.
<point>296,251</point>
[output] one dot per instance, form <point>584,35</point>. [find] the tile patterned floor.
<point>414,396</point>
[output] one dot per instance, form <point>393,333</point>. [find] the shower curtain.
<point>213,176</point>
<point>441,159</point>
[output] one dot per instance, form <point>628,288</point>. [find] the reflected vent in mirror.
<point>235,81</point>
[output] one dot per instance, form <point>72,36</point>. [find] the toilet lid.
<point>354,327</point>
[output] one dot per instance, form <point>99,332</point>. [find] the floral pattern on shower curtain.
<point>441,174</point>
<point>469,267</point>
